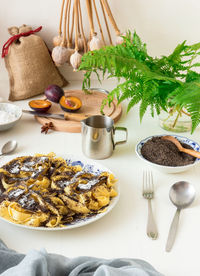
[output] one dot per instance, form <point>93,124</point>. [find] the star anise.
<point>46,127</point>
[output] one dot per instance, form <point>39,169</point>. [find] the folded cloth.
<point>41,263</point>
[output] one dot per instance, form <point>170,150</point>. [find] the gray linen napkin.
<point>40,263</point>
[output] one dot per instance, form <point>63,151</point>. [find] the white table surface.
<point>121,233</point>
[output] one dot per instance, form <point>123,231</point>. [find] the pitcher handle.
<point>121,129</point>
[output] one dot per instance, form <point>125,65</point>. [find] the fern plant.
<point>158,83</point>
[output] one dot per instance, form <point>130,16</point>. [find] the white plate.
<point>89,166</point>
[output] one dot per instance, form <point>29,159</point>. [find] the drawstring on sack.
<point>15,37</point>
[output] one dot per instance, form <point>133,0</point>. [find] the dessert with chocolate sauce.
<point>45,191</point>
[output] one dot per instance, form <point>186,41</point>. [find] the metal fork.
<point>148,193</point>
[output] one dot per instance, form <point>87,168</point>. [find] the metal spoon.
<point>180,147</point>
<point>181,194</point>
<point>9,147</point>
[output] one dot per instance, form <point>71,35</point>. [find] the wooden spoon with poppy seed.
<point>180,147</point>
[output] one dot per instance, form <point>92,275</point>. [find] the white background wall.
<point>160,23</point>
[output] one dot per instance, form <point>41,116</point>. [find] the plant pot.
<point>176,122</point>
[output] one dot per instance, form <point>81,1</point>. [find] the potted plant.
<point>168,83</point>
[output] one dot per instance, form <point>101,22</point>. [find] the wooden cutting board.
<point>91,104</point>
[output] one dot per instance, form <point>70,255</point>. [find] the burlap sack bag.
<point>29,64</point>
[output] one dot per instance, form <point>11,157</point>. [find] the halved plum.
<point>70,103</point>
<point>40,105</point>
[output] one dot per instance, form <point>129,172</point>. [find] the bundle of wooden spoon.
<point>73,39</point>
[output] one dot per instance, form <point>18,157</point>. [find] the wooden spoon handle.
<point>191,152</point>
<point>61,18</point>
<point>89,11</point>
<point>76,24</point>
<point>75,117</point>
<point>110,16</point>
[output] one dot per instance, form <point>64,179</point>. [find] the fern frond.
<point>153,82</point>
<point>135,99</point>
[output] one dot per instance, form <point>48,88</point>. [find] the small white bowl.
<point>15,110</point>
<point>169,169</point>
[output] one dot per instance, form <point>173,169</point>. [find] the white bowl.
<point>169,169</point>
<point>15,110</point>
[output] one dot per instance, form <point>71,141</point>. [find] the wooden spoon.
<point>180,147</point>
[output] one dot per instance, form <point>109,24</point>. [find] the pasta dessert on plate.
<point>47,191</point>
